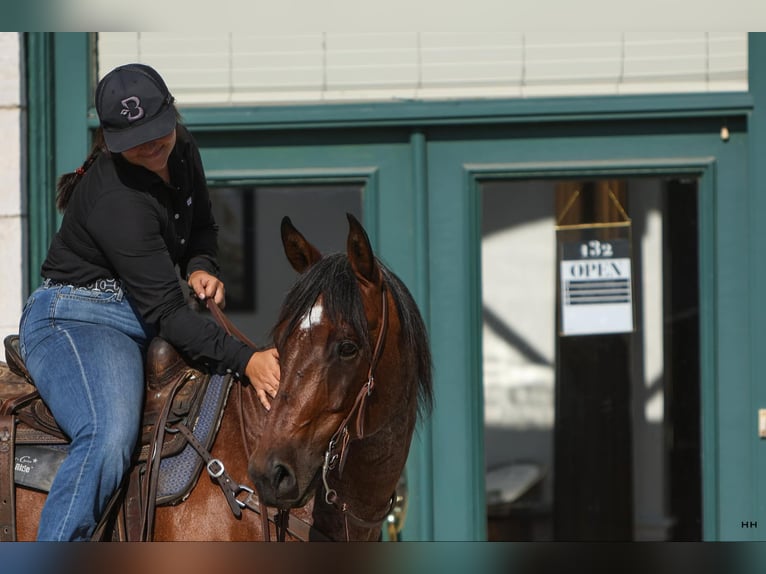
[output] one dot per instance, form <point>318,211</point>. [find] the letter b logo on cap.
<point>131,107</point>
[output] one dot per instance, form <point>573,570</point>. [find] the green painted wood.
<point>384,171</point>
<point>40,146</point>
<point>707,200</point>
<point>73,96</point>
<point>58,95</point>
<point>463,112</point>
<point>757,199</point>
<point>391,169</point>
<point>458,445</point>
<point>419,521</point>
<point>632,149</point>
<point>731,262</point>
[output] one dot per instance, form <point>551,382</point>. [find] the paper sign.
<point>596,296</point>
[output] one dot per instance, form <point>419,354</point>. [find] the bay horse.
<point>356,376</point>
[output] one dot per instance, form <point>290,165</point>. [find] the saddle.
<point>176,393</point>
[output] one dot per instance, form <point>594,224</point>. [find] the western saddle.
<point>175,392</point>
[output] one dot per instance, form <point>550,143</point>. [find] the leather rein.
<point>334,458</point>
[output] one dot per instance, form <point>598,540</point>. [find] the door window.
<point>253,265</point>
<point>591,437</point>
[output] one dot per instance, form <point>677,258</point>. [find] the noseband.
<point>336,453</point>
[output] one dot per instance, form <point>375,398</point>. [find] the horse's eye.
<point>347,350</point>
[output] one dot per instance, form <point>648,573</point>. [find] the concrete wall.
<point>13,212</point>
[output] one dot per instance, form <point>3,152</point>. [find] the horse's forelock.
<point>333,278</point>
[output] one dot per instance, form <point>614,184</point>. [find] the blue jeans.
<point>85,351</point>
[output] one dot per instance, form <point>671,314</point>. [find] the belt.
<point>111,285</point>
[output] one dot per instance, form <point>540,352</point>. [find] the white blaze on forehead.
<point>313,317</point>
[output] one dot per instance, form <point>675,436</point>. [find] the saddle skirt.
<point>198,402</point>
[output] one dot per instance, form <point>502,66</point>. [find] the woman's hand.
<point>205,285</point>
<point>263,372</point>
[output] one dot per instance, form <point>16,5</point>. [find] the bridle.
<point>336,454</point>
<point>335,458</point>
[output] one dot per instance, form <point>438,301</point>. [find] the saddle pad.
<point>36,465</point>
<point>179,473</point>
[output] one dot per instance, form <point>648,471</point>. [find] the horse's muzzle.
<point>277,484</point>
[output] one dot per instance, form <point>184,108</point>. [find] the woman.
<point>135,212</point>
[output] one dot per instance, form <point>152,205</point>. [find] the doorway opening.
<point>593,436</point>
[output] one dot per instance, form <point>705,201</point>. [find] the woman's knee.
<point>120,440</point>
<point>109,445</point>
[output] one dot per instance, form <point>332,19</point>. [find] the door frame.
<point>702,167</point>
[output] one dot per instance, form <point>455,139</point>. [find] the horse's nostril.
<point>283,480</point>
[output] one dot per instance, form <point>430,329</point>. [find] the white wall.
<point>13,216</point>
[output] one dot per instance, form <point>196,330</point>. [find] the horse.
<point>325,461</point>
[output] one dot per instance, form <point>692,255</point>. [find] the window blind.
<point>240,68</point>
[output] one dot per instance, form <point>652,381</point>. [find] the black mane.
<point>333,278</point>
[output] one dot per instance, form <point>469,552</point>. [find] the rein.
<point>282,518</point>
<point>226,324</point>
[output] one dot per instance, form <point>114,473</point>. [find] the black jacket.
<point>124,221</point>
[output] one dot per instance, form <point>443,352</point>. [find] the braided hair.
<point>67,182</point>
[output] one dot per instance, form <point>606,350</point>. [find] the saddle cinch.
<point>165,468</point>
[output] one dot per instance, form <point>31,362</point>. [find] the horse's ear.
<point>300,253</point>
<point>360,252</point>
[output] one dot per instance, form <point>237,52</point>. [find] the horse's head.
<point>354,360</point>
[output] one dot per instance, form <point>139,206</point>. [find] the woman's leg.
<point>91,377</point>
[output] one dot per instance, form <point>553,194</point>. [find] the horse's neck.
<point>375,462</point>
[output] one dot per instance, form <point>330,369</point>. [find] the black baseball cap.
<point>134,106</point>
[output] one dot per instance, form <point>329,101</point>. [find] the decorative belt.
<point>104,285</point>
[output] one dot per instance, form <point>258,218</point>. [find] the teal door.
<point>472,169</point>
<point>257,178</point>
